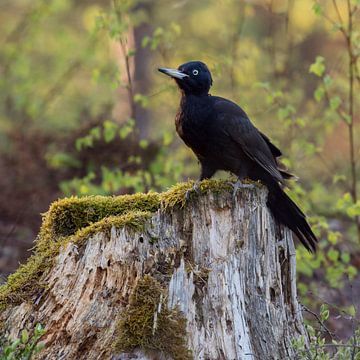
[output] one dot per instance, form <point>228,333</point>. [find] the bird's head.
<point>192,77</point>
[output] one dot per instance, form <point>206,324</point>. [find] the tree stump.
<point>212,277</point>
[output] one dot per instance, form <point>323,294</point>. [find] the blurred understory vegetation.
<point>83,111</point>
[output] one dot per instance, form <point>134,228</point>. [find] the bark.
<point>221,261</point>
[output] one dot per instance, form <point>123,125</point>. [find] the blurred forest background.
<point>84,111</point>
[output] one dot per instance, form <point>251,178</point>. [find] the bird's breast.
<point>195,132</point>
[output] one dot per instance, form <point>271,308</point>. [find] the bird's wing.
<point>274,150</point>
<point>236,124</point>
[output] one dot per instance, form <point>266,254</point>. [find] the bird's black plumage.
<point>223,138</point>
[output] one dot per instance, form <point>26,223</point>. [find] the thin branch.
<point>352,63</point>
<point>129,85</point>
<point>332,335</point>
<point>125,53</point>
<point>342,114</point>
<point>338,345</point>
<point>333,306</point>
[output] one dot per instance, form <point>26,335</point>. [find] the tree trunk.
<point>214,279</point>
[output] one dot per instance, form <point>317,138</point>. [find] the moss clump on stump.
<point>147,323</point>
<point>75,219</point>
<point>68,215</point>
<point>26,281</point>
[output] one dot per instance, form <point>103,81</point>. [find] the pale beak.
<point>177,74</point>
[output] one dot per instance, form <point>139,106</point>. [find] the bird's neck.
<point>194,94</point>
<point>193,97</point>
<point>194,107</point>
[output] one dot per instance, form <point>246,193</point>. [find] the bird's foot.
<point>240,185</point>
<point>195,188</point>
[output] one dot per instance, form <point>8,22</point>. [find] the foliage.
<point>318,347</point>
<point>23,348</point>
<point>321,350</point>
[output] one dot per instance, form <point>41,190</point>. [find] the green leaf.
<point>24,336</point>
<point>176,28</point>
<point>338,178</point>
<point>301,122</point>
<point>262,85</point>
<point>310,330</point>
<point>126,129</point>
<point>324,312</point>
<point>318,67</point>
<point>158,31</point>
<point>352,271</point>
<point>78,144</point>
<point>84,142</point>
<point>303,288</point>
<point>346,117</point>
<point>7,351</point>
<point>145,41</point>
<point>318,10</point>
<point>333,255</point>
<point>284,112</point>
<point>345,257</point>
<point>167,138</point>
<point>333,237</point>
<point>143,143</point>
<point>345,202</point>
<point>15,344</point>
<point>110,129</point>
<point>335,102</point>
<point>327,80</point>
<point>354,209</point>
<point>95,133</point>
<point>319,93</point>
<point>143,100</point>
<point>39,330</point>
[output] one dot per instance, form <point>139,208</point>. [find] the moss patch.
<point>65,216</point>
<point>75,219</point>
<point>26,281</point>
<point>176,196</point>
<point>148,323</point>
<point>134,220</point>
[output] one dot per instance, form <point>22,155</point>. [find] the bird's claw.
<point>240,185</point>
<point>195,188</point>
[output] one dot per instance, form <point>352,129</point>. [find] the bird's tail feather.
<point>288,176</point>
<point>288,213</point>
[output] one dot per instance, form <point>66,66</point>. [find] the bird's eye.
<point>195,72</point>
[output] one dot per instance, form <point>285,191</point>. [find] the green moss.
<point>176,195</point>
<point>65,216</point>
<point>26,281</point>
<point>75,219</point>
<point>136,326</point>
<point>134,220</point>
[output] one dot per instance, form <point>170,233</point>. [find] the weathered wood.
<point>221,261</point>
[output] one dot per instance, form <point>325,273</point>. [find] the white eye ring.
<point>195,72</point>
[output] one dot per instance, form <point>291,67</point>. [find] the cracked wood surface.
<point>223,263</point>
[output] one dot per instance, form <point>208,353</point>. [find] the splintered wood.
<point>221,262</point>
